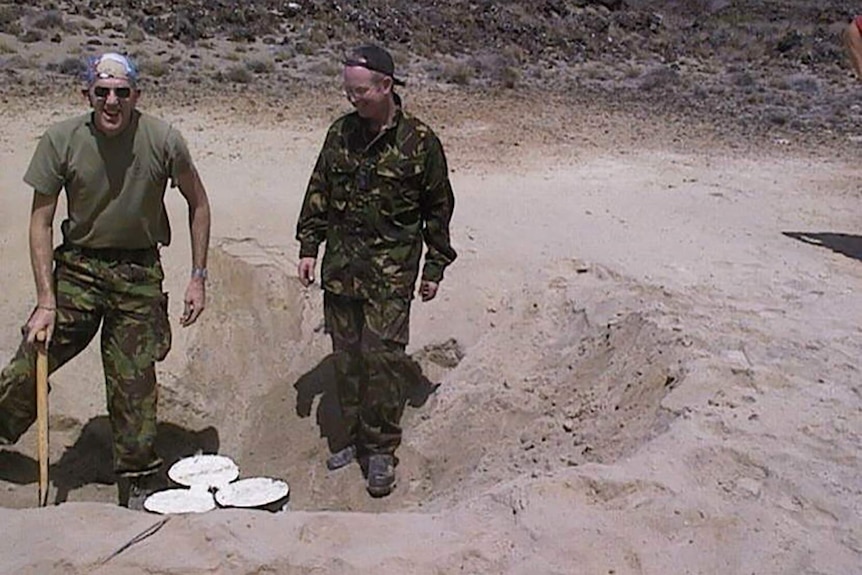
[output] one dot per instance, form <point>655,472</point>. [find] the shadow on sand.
<point>321,381</point>
<point>845,244</point>
<point>90,459</point>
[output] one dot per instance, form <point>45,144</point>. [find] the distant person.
<point>114,163</point>
<point>852,37</point>
<point>380,189</point>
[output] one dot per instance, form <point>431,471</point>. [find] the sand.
<point>646,356</point>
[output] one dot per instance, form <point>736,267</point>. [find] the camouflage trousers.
<point>121,290</point>
<point>371,366</point>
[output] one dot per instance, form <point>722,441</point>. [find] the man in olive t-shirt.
<point>114,164</point>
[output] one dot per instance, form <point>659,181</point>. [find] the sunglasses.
<point>122,93</point>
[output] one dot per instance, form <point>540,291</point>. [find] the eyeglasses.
<point>357,92</point>
<point>122,92</point>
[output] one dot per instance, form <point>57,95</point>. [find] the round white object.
<point>172,501</point>
<point>252,492</point>
<point>207,470</point>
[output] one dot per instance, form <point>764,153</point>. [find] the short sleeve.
<point>46,173</point>
<point>178,156</point>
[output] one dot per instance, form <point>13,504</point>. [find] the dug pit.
<point>562,379</point>
<point>571,372</point>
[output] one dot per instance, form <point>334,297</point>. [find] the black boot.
<point>137,489</point>
<point>341,458</point>
<point>381,475</point>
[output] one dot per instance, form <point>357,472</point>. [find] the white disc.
<point>172,501</point>
<point>208,470</point>
<point>252,492</point>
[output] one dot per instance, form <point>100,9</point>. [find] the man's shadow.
<point>845,244</point>
<point>321,381</point>
<point>90,459</point>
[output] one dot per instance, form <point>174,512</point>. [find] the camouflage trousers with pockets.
<point>121,290</point>
<point>372,369</point>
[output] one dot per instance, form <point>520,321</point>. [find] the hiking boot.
<point>140,488</point>
<point>381,475</point>
<point>341,458</point>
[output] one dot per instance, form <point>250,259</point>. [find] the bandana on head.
<point>111,65</point>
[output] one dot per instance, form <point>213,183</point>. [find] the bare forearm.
<point>199,227</point>
<point>195,194</point>
<point>41,259</point>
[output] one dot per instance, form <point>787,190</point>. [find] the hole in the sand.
<point>552,385</point>
<point>545,389</point>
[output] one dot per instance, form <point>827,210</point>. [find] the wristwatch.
<point>199,273</point>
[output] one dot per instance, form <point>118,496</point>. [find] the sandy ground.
<point>647,357</point>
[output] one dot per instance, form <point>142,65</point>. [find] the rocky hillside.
<point>770,64</point>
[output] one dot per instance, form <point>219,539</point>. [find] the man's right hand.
<point>305,270</point>
<point>42,318</point>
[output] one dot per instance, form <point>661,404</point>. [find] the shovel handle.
<point>42,415</point>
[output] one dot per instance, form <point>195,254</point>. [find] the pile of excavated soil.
<point>563,378</point>
<point>551,384</point>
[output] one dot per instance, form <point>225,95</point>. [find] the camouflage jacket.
<point>373,200</point>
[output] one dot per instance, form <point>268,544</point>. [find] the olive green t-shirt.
<point>115,187</point>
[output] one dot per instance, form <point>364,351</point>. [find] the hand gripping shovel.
<point>42,415</point>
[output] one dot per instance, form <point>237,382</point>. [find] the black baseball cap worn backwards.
<point>376,59</point>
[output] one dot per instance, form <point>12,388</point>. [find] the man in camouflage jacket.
<point>379,190</point>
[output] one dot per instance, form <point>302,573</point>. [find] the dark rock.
<point>789,42</point>
<point>31,36</point>
<point>71,67</point>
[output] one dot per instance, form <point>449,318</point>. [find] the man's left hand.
<point>428,290</point>
<point>195,301</point>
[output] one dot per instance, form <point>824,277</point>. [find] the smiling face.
<point>368,91</point>
<point>113,101</point>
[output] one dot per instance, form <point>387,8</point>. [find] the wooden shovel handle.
<point>42,415</point>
